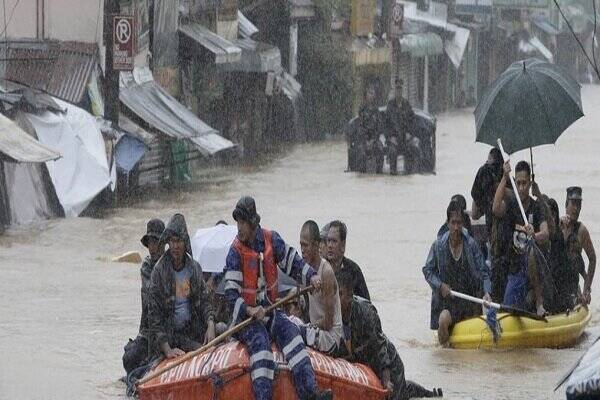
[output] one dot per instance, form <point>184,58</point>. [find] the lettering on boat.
<point>201,365</point>
<point>233,354</point>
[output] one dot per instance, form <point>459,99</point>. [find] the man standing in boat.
<point>325,329</point>
<point>365,342</point>
<point>454,263</point>
<point>577,239</point>
<point>136,351</point>
<point>251,284</point>
<point>399,123</point>
<point>181,316</point>
<point>523,257</point>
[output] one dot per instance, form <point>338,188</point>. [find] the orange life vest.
<point>251,270</point>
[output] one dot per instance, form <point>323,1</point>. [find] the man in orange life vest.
<point>251,284</point>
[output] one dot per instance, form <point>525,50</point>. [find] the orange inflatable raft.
<point>223,373</point>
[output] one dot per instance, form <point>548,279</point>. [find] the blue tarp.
<point>128,152</point>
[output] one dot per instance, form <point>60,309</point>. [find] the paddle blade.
<point>493,324</point>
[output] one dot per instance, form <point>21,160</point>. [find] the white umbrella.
<point>210,246</point>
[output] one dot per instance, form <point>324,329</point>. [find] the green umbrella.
<point>530,104</point>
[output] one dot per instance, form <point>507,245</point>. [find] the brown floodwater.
<point>65,314</point>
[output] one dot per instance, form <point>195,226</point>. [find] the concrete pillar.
<point>426,85</point>
<point>293,62</point>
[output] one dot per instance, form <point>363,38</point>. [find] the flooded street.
<point>66,314</point>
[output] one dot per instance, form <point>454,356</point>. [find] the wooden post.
<point>111,87</point>
<point>426,84</point>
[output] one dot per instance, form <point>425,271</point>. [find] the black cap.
<point>154,229</point>
<point>245,210</point>
<point>574,193</point>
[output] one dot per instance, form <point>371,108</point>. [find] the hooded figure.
<point>180,309</point>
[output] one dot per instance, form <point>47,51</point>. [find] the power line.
<point>12,13</point>
<point>593,64</point>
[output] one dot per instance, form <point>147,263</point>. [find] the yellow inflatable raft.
<point>561,330</point>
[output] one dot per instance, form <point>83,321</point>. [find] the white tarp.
<point>21,147</point>
<point>82,172</point>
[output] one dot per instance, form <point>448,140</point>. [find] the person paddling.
<point>454,263</point>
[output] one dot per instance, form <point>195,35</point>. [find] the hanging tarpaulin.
<point>129,150</point>
<point>83,170</point>
<point>179,154</point>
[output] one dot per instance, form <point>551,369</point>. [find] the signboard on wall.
<point>520,4</point>
<point>396,19</point>
<point>140,11</point>
<point>124,46</point>
<point>362,17</point>
<point>473,7</point>
<point>227,10</point>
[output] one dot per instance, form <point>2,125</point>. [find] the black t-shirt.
<point>534,213</point>
<point>535,216</point>
<point>484,189</point>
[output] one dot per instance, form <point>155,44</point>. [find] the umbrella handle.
<point>512,182</point>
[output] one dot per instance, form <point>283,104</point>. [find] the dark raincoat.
<point>437,262</point>
<point>162,298</point>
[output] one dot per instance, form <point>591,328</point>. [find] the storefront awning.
<point>457,38</point>
<point>223,49</point>
<point>256,57</point>
<point>422,44</point>
<point>246,28</point>
<point>366,51</point>
<point>534,46</point>
<point>17,145</point>
<point>291,87</point>
<point>542,22</point>
<point>146,99</point>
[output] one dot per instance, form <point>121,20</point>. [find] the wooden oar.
<point>221,337</point>
<point>501,307</point>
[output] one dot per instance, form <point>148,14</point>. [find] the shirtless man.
<point>325,329</point>
<point>577,239</point>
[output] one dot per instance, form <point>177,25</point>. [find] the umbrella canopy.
<point>530,104</point>
<point>211,245</point>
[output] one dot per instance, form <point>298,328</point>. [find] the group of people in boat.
<point>181,310</point>
<point>532,265</point>
<point>397,123</point>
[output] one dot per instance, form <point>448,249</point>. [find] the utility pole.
<point>111,77</point>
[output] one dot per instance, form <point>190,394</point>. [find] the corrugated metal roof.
<point>246,28</point>
<point>62,69</point>
<point>302,9</point>
<point>421,44</point>
<point>256,57</point>
<point>150,102</point>
<point>17,145</point>
<point>223,49</point>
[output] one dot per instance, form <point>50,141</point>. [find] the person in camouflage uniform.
<point>181,316</point>
<point>136,350</point>
<point>365,342</point>
<point>399,122</point>
<point>370,127</point>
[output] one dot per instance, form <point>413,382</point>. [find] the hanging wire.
<point>12,13</point>
<point>594,36</point>
<point>592,63</point>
